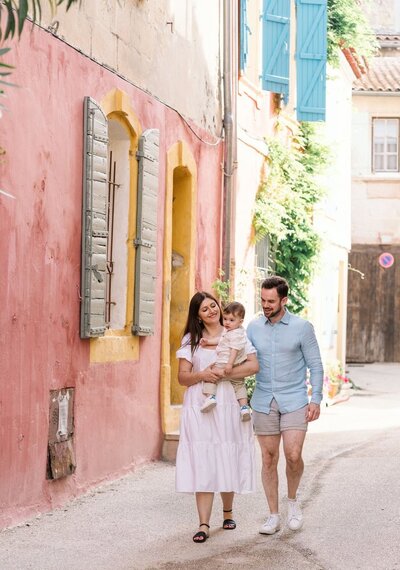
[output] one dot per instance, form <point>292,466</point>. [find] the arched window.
<point>119,228</point>
<point>118,186</point>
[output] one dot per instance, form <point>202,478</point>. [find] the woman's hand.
<point>186,376</point>
<point>212,375</point>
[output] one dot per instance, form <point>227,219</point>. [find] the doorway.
<point>373,306</point>
<point>179,273</point>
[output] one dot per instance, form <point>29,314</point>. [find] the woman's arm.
<point>186,376</point>
<point>247,368</point>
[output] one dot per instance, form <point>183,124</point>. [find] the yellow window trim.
<point>119,345</point>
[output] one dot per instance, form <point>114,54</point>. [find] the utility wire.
<point>53,29</point>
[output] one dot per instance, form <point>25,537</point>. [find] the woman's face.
<point>209,312</point>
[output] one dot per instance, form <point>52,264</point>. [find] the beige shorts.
<point>275,423</point>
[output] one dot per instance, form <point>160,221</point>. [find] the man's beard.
<point>274,313</point>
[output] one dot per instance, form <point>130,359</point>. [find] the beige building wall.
<point>333,221</point>
<point>375,196</point>
<point>384,15</point>
<point>254,123</point>
<point>150,42</point>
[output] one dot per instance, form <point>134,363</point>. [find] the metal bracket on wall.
<point>362,275</point>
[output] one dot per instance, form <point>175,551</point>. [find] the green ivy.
<point>348,26</point>
<point>14,13</point>
<point>284,209</point>
<point>250,383</point>
<point>222,287</point>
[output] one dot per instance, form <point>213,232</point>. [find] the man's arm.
<point>312,356</point>
<point>247,368</point>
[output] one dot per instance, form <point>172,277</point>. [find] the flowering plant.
<point>334,379</point>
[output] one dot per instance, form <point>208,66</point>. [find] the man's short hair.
<point>278,283</point>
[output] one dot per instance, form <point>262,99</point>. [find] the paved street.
<point>350,495</point>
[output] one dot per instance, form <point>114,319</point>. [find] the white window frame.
<point>385,154</point>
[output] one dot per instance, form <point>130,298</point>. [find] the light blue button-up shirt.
<point>285,350</point>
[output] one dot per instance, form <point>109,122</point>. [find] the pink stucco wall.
<point>40,349</point>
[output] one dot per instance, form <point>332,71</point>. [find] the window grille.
<point>264,266</point>
<point>112,186</point>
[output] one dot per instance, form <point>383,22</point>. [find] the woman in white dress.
<point>216,450</point>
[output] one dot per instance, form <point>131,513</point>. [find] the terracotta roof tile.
<point>382,37</point>
<point>383,76</point>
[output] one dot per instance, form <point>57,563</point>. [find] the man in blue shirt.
<point>286,347</point>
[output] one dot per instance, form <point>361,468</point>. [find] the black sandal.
<point>228,524</point>
<point>201,535</point>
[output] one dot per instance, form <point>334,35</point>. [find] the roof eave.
<point>377,93</point>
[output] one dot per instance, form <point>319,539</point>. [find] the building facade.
<point>110,217</point>
<point>276,91</point>
<point>135,149</point>
<point>373,309</point>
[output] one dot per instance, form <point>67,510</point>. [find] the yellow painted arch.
<point>180,208</point>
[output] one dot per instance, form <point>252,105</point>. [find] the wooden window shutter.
<point>94,221</point>
<point>146,234</point>
<point>275,46</point>
<point>311,59</point>
<point>244,34</point>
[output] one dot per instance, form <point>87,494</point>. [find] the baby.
<point>230,352</point>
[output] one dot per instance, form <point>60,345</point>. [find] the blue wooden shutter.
<point>94,221</point>
<point>276,36</point>
<point>244,34</point>
<point>146,233</point>
<point>311,59</point>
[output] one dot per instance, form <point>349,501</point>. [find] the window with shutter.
<point>244,35</point>
<point>146,233</point>
<point>94,221</point>
<point>275,46</point>
<point>311,59</point>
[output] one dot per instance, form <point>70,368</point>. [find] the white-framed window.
<point>385,144</point>
<point>264,267</point>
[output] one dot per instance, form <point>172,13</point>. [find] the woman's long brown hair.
<point>194,326</point>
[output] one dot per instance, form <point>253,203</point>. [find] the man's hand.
<point>313,412</point>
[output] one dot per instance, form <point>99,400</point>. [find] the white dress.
<point>216,449</point>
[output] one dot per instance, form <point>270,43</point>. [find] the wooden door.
<point>373,306</point>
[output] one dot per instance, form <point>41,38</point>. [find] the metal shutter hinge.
<point>142,242</point>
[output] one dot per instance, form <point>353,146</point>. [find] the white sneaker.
<point>245,413</point>
<point>295,516</point>
<point>271,525</point>
<point>209,404</point>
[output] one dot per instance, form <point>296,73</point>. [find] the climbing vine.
<point>284,209</point>
<point>348,27</point>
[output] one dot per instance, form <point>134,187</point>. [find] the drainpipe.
<point>229,122</point>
